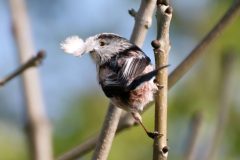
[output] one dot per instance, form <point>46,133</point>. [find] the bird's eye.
<point>102,43</point>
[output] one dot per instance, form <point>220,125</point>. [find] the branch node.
<point>132,12</point>
<point>155,44</point>
<point>39,57</point>
<point>165,149</point>
<point>147,24</point>
<point>163,2</point>
<point>41,54</point>
<point>169,10</point>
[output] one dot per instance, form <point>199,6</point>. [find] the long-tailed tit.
<point>125,72</point>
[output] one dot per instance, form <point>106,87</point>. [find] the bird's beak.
<point>90,45</point>
<point>92,51</point>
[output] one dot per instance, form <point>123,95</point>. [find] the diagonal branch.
<point>161,51</point>
<point>34,61</point>
<point>195,127</point>
<point>225,99</point>
<point>143,21</point>
<point>88,145</point>
<point>198,51</point>
<point>126,121</point>
<point>107,134</point>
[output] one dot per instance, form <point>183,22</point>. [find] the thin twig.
<point>80,150</point>
<point>39,130</point>
<point>193,136</point>
<point>172,79</point>
<point>225,99</point>
<point>161,51</point>
<point>138,35</point>
<point>34,61</point>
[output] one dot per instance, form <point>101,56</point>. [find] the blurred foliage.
<point>233,131</point>
<point>13,144</point>
<point>81,120</point>
<point>198,91</point>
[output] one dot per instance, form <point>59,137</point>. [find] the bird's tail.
<point>144,78</point>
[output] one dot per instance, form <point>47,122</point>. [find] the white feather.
<point>127,66</point>
<point>73,45</point>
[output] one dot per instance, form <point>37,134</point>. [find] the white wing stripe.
<point>127,67</point>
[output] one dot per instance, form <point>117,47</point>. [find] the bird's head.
<point>101,46</point>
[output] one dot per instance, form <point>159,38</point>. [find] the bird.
<point>124,72</point>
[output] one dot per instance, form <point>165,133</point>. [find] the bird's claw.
<point>154,134</point>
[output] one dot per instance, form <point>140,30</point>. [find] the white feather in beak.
<point>74,45</point>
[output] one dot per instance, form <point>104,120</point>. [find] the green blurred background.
<point>74,101</point>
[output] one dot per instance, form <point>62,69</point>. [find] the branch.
<point>143,20</point>
<point>109,127</point>
<point>34,61</point>
<point>39,131</point>
<point>225,99</point>
<point>161,51</point>
<point>173,77</point>
<point>198,51</point>
<point>193,136</point>
<point>88,145</point>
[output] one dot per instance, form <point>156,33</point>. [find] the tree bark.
<point>161,51</point>
<point>38,127</point>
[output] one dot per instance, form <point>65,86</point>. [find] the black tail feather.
<point>144,78</point>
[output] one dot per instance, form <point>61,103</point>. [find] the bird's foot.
<point>154,134</point>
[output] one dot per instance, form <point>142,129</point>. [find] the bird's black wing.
<point>122,73</point>
<point>132,68</point>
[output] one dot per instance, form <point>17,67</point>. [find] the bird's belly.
<point>136,99</point>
